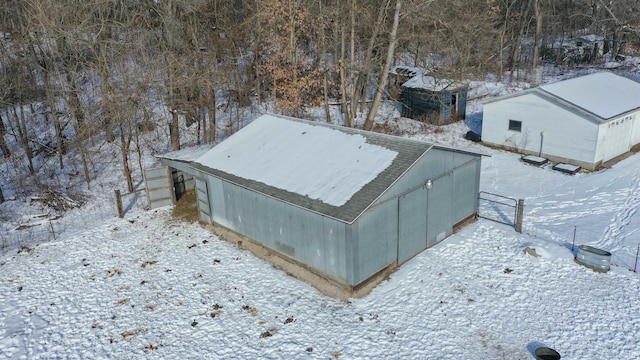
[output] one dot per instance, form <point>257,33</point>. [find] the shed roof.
<point>603,94</point>
<point>335,171</point>
<point>431,83</point>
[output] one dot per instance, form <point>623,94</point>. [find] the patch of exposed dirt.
<point>530,251</point>
<point>187,207</point>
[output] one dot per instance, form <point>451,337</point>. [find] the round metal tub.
<point>594,258</point>
<point>545,353</point>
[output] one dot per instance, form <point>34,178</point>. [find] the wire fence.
<point>626,255</point>
<point>27,230</point>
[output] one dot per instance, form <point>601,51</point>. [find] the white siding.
<point>635,133</point>
<point>566,133</point>
<point>615,138</point>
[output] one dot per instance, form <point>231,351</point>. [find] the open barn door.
<point>159,184</point>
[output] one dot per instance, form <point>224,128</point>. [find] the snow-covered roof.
<point>319,162</point>
<point>328,169</point>
<point>603,94</point>
<point>433,84</point>
<point>186,155</point>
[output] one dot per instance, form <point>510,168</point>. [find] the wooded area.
<point>97,72</point>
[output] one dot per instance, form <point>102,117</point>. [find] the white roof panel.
<point>186,155</point>
<point>315,161</point>
<point>604,94</point>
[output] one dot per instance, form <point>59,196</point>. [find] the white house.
<point>584,121</point>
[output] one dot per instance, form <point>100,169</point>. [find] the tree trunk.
<point>3,145</point>
<point>125,142</point>
<point>325,70</point>
<point>83,155</point>
<point>56,119</point>
<point>174,104</point>
<point>212,117</point>
<point>363,74</point>
<point>503,33</point>
<point>368,124</point>
<point>24,138</point>
<point>136,130</point>
<point>535,76</point>
<point>174,131</point>
<point>343,86</point>
<point>74,100</point>
<point>515,53</point>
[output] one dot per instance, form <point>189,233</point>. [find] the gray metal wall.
<point>373,241</point>
<point>312,239</point>
<point>453,196</point>
<point>409,218</point>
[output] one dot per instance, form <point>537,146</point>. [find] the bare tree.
<point>368,124</point>
<point>535,76</point>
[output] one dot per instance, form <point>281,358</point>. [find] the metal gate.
<point>159,184</point>
<point>498,208</point>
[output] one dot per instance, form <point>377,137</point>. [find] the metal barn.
<point>585,121</point>
<point>344,203</point>
<point>433,100</point>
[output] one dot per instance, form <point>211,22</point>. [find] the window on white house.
<point>515,125</point>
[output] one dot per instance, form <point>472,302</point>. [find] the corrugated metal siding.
<point>374,243</point>
<point>436,162</point>
<point>310,238</point>
<point>440,209</point>
<point>567,134</point>
<point>412,220</point>
<point>202,197</point>
<point>452,198</point>
<point>217,199</point>
<point>465,190</point>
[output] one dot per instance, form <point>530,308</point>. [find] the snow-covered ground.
<point>153,286</point>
